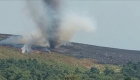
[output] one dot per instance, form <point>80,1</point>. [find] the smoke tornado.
<point>51,19</point>
<point>53,7</point>
<point>55,26</point>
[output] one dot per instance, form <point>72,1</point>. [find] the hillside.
<point>66,62</point>
<point>102,55</point>
<point>73,61</point>
<point>54,58</point>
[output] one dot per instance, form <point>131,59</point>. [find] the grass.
<point>55,59</point>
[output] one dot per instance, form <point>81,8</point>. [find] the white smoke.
<point>26,48</point>
<point>72,23</point>
<point>66,25</point>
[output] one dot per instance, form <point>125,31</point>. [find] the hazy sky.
<point>118,22</point>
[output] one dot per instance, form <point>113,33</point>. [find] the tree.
<point>94,70</point>
<point>108,71</point>
<point>131,69</point>
<point>77,71</point>
<point>128,78</point>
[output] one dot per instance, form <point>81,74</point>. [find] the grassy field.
<point>56,59</point>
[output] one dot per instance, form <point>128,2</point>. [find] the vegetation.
<point>31,69</point>
<point>56,59</point>
<point>131,70</point>
<point>52,66</point>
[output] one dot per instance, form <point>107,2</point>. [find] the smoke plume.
<point>55,25</point>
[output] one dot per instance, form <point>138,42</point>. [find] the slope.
<point>55,59</point>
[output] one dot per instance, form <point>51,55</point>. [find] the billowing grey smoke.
<point>51,11</point>
<point>55,26</point>
<point>54,16</point>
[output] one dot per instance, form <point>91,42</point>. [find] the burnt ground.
<point>104,55</point>
<point>101,54</point>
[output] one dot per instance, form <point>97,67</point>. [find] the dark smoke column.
<point>53,11</point>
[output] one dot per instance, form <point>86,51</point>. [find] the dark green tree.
<point>77,71</point>
<point>94,70</point>
<point>108,71</point>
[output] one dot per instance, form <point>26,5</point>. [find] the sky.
<point>118,22</point>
